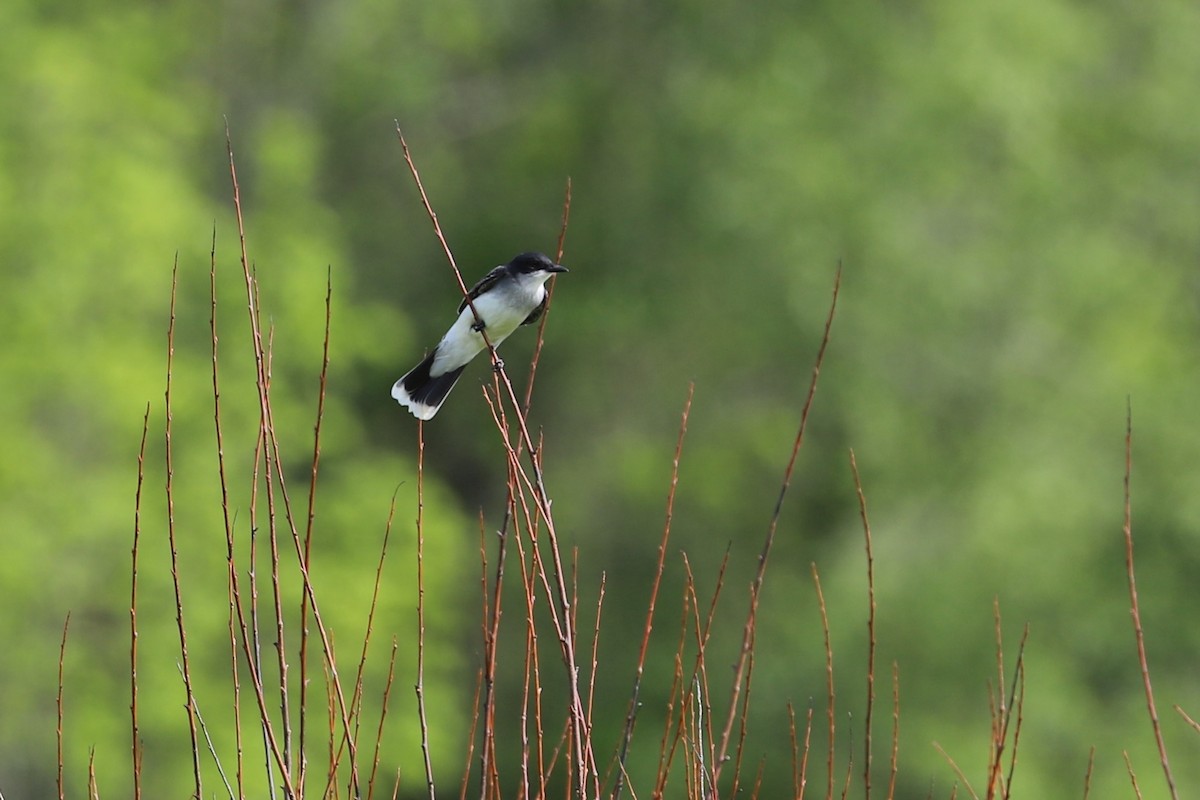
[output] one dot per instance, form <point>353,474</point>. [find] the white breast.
<point>503,310</point>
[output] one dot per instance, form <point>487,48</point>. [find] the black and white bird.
<point>509,296</point>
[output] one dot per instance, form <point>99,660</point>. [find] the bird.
<point>511,295</point>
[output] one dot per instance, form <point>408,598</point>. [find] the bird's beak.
<point>557,268</point>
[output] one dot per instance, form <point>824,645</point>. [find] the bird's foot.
<point>478,326</point>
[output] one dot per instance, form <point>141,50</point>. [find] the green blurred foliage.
<point>1011,189</point>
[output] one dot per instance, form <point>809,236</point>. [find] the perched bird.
<point>509,296</point>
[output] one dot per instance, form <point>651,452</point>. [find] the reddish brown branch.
<point>58,729</point>
<point>634,700</point>
<point>185,663</point>
<point>829,685</point>
<point>135,735</point>
<point>1135,611</point>
<point>739,672</point>
<point>862,510</point>
<point>420,687</point>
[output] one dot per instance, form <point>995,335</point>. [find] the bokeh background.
<point>1012,188</point>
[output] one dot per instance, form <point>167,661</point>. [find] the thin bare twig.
<point>894,762</point>
<point>1016,705</point>
<point>93,787</point>
<point>541,331</point>
<point>1195,725</point>
<point>383,709</point>
<point>1132,775</point>
<point>135,735</point>
<point>58,730</point>
<point>308,533</point>
<point>957,770</point>
<point>170,491</point>
<point>862,510</point>
<point>1087,776</point>
<point>357,697</point>
<point>634,700</point>
<point>232,581</point>
<point>1135,612</point>
<point>756,585</point>
<point>420,687</point>
<point>829,686</point>
<point>212,751</point>
<point>249,629</point>
<point>682,688</point>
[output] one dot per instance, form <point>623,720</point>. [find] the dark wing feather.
<point>536,314</point>
<point>485,283</point>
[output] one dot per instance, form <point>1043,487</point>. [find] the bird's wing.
<point>536,314</point>
<point>485,283</point>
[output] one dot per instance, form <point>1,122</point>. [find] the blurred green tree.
<point>1010,187</point>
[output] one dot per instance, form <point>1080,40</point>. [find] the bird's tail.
<point>423,393</point>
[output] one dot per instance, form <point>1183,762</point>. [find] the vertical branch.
<point>93,787</point>
<point>634,700</point>
<point>1135,613</point>
<point>234,592</point>
<point>185,663</point>
<point>273,468</point>
<point>1087,776</point>
<point>679,692</point>
<point>828,674</point>
<point>383,708</point>
<point>1017,706</point>
<point>565,626</point>
<point>1137,792</point>
<point>491,617</point>
<point>250,631</point>
<point>862,509</point>
<point>356,698</point>
<point>595,649</point>
<point>743,722</point>
<point>681,686</point>
<point>541,331</point>
<point>420,687</point>
<point>308,531</point>
<point>739,670</point>
<point>797,789</point>
<point>893,762</point>
<point>135,734</point>
<point>275,473</point>
<point>58,730</point>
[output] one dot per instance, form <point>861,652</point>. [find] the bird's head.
<point>533,264</point>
